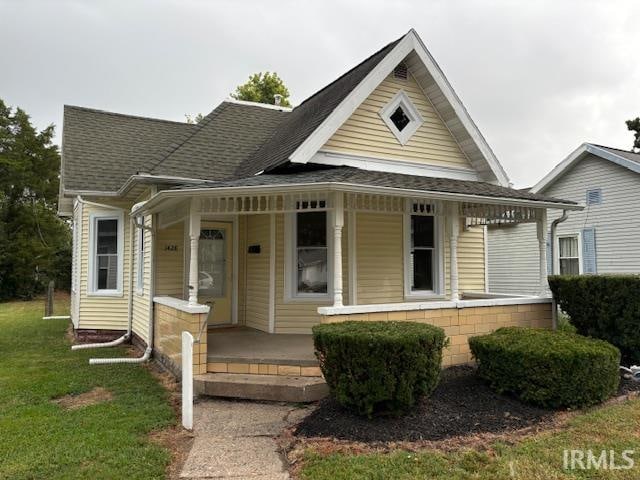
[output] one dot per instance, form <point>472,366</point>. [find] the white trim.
<point>290,263</point>
<point>556,250</point>
<point>258,104</point>
<point>438,255</point>
<point>401,100</point>
<point>77,252</point>
<point>352,252</point>
<point>409,306</point>
<point>406,167</point>
<point>272,273</point>
<point>352,101</point>
<point>92,272</point>
<point>182,305</point>
<point>577,155</point>
<point>485,236</point>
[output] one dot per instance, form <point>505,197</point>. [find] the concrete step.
<point>261,387</point>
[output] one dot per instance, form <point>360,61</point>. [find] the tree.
<point>634,126</point>
<point>193,119</point>
<point>35,245</point>
<point>262,88</point>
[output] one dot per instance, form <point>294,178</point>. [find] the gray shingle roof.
<point>101,150</point>
<point>634,157</point>
<point>224,139</point>
<point>306,117</point>
<point>318,174</point>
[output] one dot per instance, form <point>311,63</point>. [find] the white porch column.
<point>454,230</point>
<point>194,235</point>
<point>338,223</point>
<point>541,225</point>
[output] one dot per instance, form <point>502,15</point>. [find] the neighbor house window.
<point>106,238</point>
<point>569,255</point>
<point>140,255</point>
<point>311,254</point>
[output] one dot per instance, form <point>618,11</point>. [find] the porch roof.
<point>318,178</point>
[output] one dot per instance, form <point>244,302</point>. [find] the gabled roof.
<point>312,123</point>
<point>101,150</point>
<point>624,158</point>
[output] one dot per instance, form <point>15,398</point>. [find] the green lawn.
<point>40,439</point>
<point>537,458</point>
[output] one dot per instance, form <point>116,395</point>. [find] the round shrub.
<point>379,367</point>
<point>548,368</point>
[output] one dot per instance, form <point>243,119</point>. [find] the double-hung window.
<point>311,254</point>
<point>569,255</point>
<point>422,252</point>
<point>106,243</point>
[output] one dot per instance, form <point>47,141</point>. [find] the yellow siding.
<point>169,268</point>
<point>141,299</point>
<point>379,259</point>
<point>366,134</point>
<point>257,286</point>
<point>471,260</point>
<point>102,312</point>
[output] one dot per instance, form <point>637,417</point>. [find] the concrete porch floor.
<point>247,345</point>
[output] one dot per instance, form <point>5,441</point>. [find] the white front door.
<point>215,272</point>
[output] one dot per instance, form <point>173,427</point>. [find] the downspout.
<point>126,336</point>
<point>554,306</point>
<point>149,349</point>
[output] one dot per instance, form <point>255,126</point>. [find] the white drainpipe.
<point>149,349</point>
<point>127,335</point>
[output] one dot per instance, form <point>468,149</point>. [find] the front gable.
<point>366,134</point>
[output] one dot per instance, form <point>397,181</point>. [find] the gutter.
<point>554,225</point>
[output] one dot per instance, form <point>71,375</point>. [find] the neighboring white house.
<point>602,238</point>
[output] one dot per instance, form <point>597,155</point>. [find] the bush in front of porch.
<point>547,368</point>
<point>379,367</point>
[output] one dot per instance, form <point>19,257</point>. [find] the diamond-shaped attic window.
<point>402,117</point>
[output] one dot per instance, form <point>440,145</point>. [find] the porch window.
<point>311,253</point>
<point>106,240</point>
<point>569,255</point>
<point>422,253</point>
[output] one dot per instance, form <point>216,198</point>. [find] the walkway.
<point>235,440</point>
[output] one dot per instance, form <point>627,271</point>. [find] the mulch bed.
<point>461,405</point>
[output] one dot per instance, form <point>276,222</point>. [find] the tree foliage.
<point>262,87</point>
<point>35,245</point>
<point>634,126</point>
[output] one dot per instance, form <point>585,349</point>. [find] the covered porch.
<point>368,265</point>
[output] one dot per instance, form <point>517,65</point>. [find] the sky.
<point>538,77</point>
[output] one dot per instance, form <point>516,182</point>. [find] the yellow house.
<point>368,201</point>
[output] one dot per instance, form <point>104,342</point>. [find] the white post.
<point>194,236</point>
<point>338,222</point>
<point>454,224</point>
<point>187,380</point>
<point>541,225</point>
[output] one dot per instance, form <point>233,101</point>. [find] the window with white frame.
<point>402,117</point>
<point>311,254</point>
<point>422,262</point>
<point>569,255</point>
<point>106,240</point>
<point>140,257</point>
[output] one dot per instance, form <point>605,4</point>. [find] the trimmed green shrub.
<point>603,306</point>
<point>547,368</point>
<point>379,367</point>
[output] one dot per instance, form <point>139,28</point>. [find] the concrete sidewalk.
<point>235,440</point>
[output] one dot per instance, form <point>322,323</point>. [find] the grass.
<point>615,427</point>
<point>40,439</point>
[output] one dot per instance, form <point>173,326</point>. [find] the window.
<point>311,254</point>
<point>422,254</point>
<point>402,117</point>
<point>106,240</point>
<point>594,196</point>
<point>140,263</point>
<point>569,255</point>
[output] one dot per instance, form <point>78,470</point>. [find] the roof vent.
<point>277,99</point>
<point>401,71</point>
